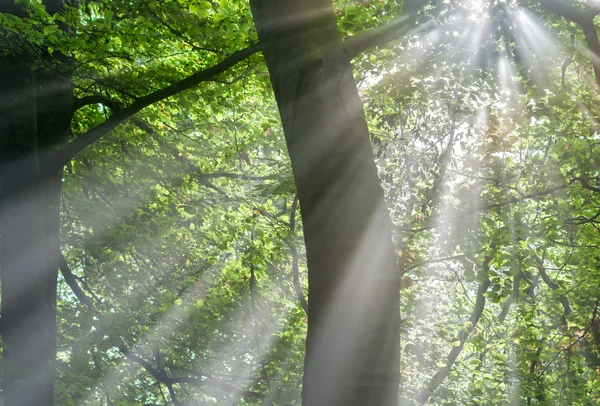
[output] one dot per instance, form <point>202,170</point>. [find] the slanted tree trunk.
<point>36,115</point>
<point>352,349</point>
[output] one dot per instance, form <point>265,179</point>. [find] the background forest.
<point>181,250</point>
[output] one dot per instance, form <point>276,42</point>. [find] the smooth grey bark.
<point>352,352</point>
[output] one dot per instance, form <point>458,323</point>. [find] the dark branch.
<point>470,210</point>
<point>436,260</point>
<point>585,184</point>
<point>178,33</point>
<point>591,37</point>
<point>64,155</point>
<point>584,17</point>
<point>395,29</point>
<point>162,376</point>
<point>72,282</point>
<point>580,337</point>
<point>95,99</point>
<point>572,13</point>
<point>237,176</point>
<point>295,258</point>
<point>203,178</point>
<point>443,372</point>
<point>551,284</point>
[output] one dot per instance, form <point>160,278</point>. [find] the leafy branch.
<point>443,372</point>
<point>584,17</point>
<point>197,381</point>
<point>66,153</point>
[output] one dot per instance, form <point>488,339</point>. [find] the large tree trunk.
<point>353,300</point>
<point>28,325</point>
<point>36,111</point>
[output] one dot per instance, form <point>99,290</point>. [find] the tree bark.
<point>584,17</point>
<point>352,353</point>
<point>36,110</point>
<point>28,326</point>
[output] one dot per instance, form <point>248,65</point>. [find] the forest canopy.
<point>317,202</point>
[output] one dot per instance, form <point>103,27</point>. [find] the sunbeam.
<point>371,202</point>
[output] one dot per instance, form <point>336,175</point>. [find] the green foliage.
<point>178,223</point>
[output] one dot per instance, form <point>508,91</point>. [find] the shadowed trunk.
<point>353,300</point>
<point>28,325</point>
<point>36,109</point>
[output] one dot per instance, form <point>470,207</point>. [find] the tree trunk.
<point>352,354</point>
<point>36,116</point>
<point>28,325</point>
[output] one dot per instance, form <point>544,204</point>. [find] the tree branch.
<point>578,15</point>
<point>64,155</point>
<point>436,260</point>
<point>237,176</point>
<point>585,184</point>
<point>178,33</point>
<point>551,284</point>
<point>443,372</point>
<point>95,99</point>
<point>584,17</point>
<point>396,28</point>
<point>70,280</point>
<point>161,369</point>
<point>591,37</point>
<point>472,209</point>
<point>579,338</point>
<point>196,381</point>
<point>294,250</point>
